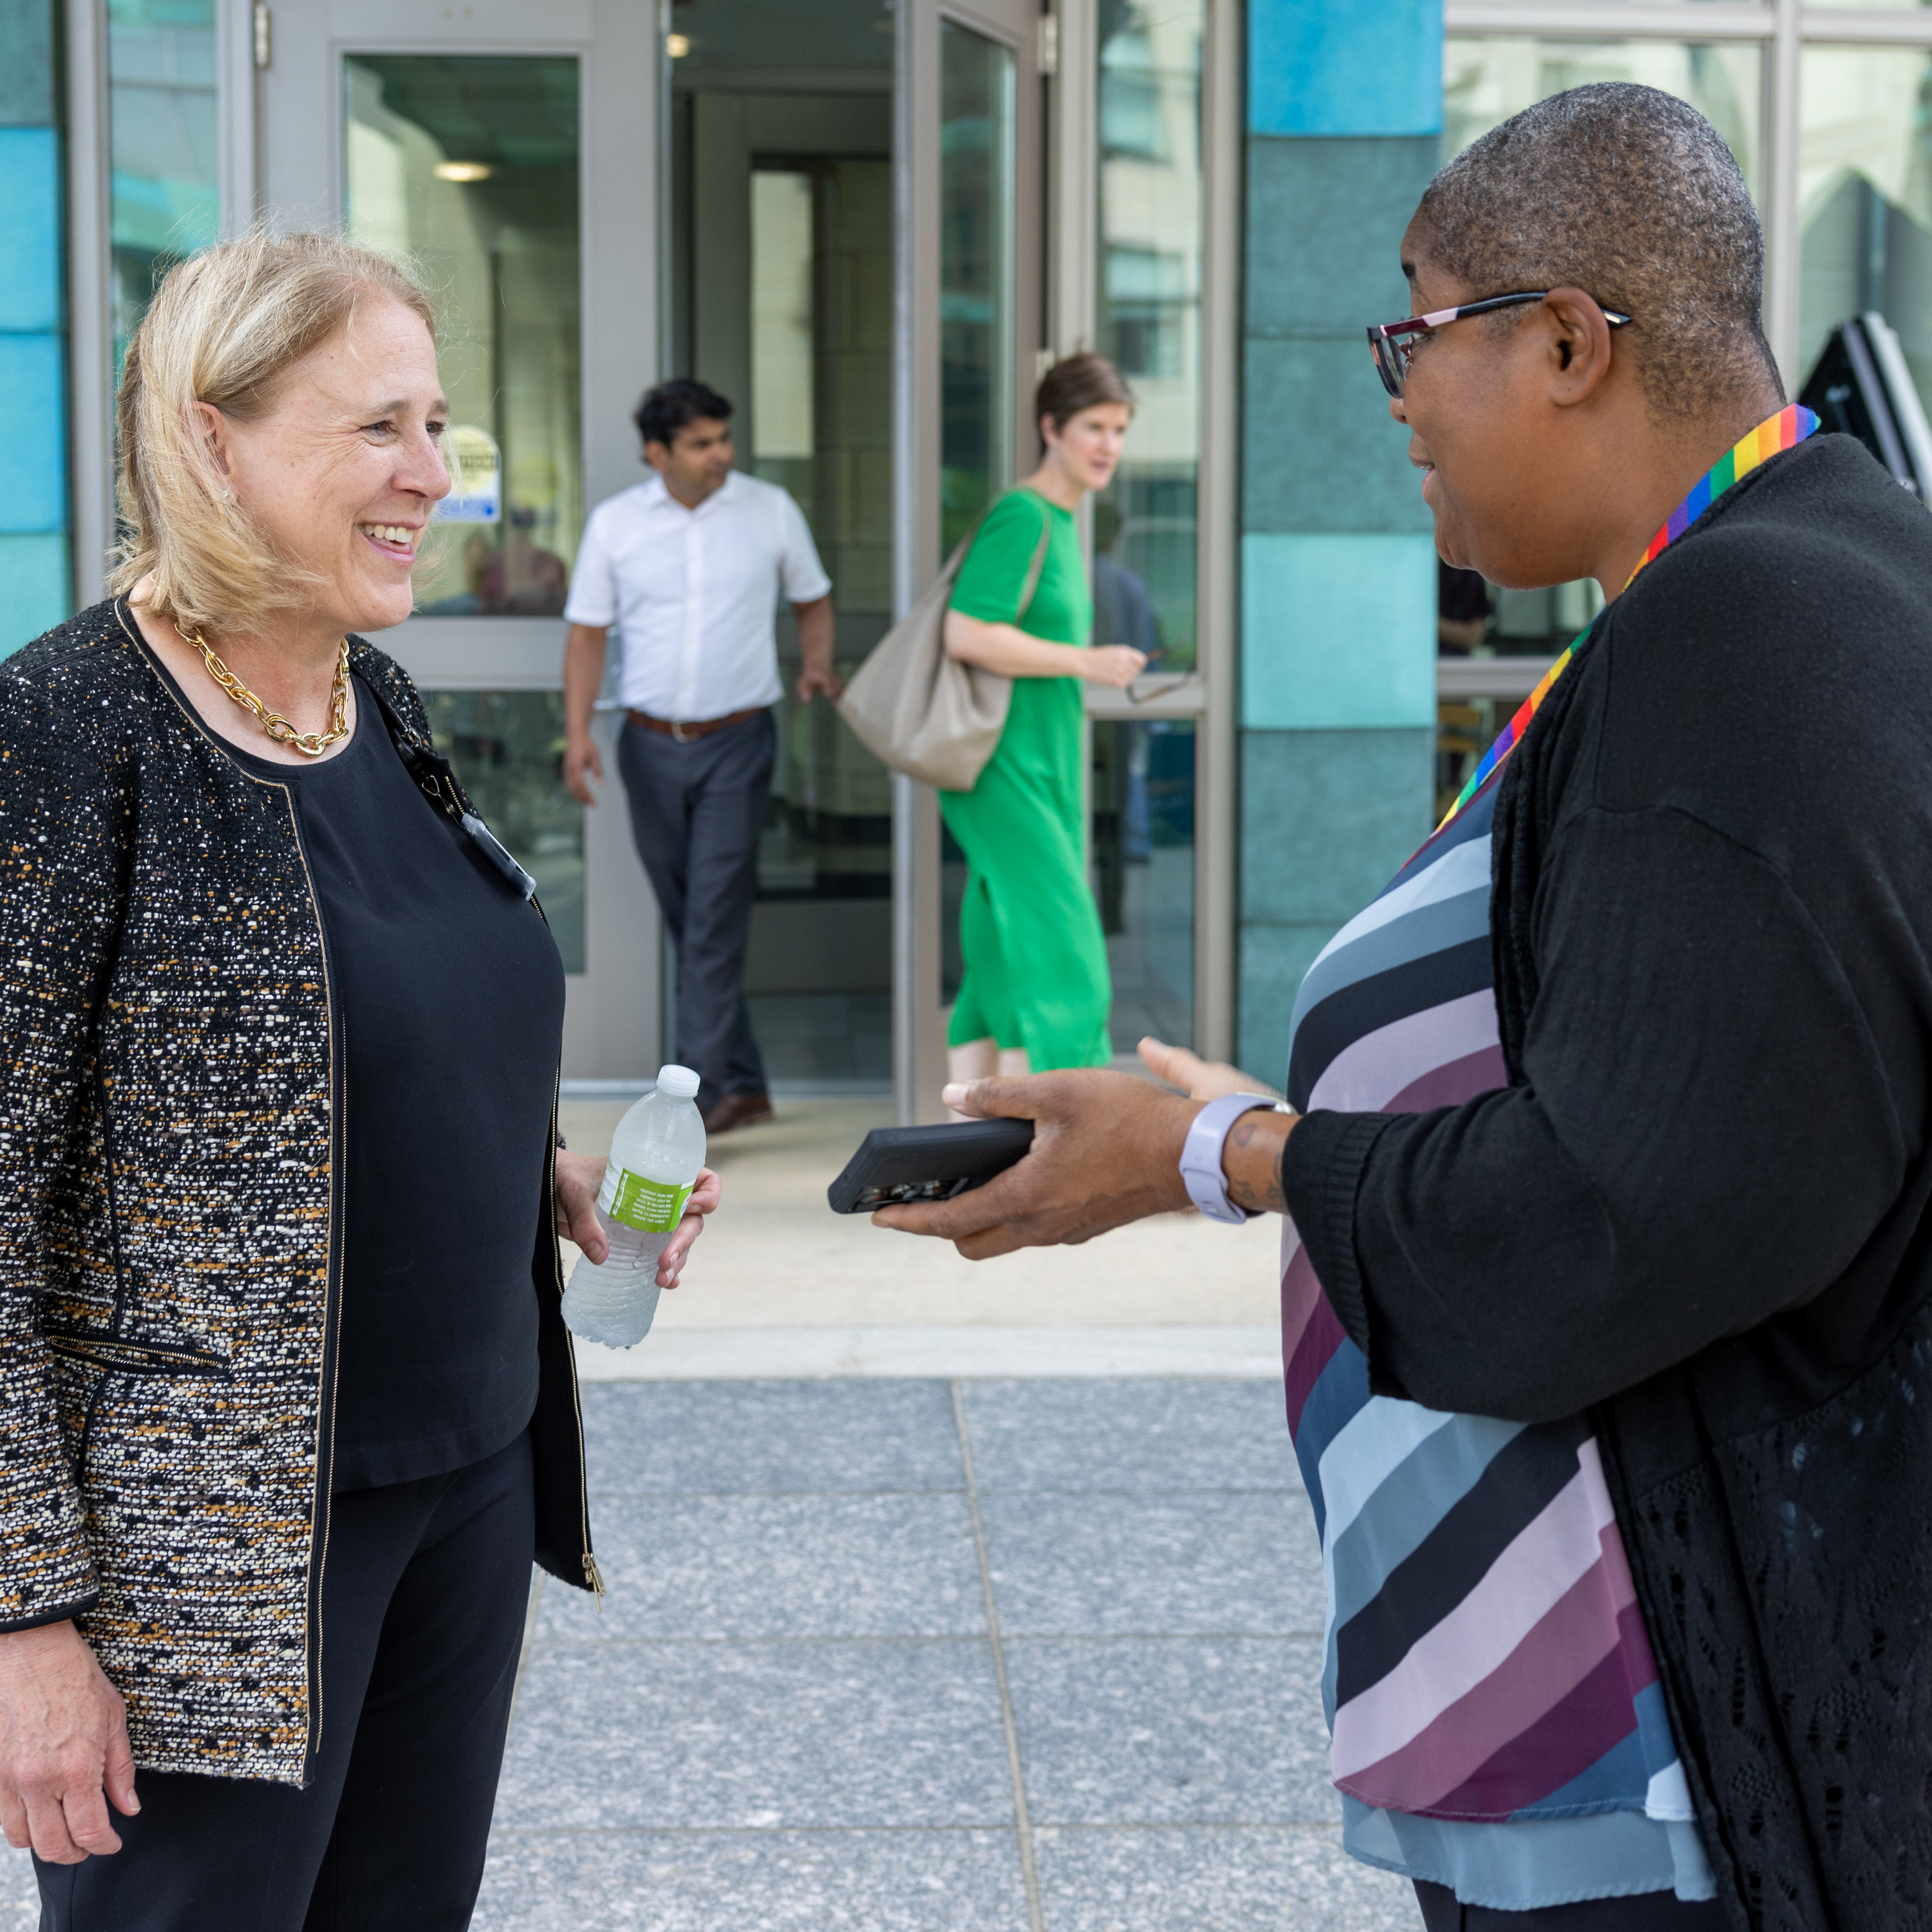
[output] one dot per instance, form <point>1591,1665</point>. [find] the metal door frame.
<point>611,1027</point>
<point>1058,76</point>
<point>919,1032</point>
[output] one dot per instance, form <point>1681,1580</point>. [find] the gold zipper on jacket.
<point>319,1507</point>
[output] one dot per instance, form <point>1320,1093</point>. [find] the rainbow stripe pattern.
<point>1785,430</point>
<point>1496,1722</point>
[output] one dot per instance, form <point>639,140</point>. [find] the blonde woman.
<point>286,1406</point>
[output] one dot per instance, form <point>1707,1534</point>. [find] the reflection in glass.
<point>1149,284</point>
<point>782,326</point>
<point>163,145</point>
<point>778,47</point>
<point>780,258</point>
<point>1475,620</point>
<point>821,426</point>
<point>976,217</point>
<point>1864,198</point>
<point>470,164</point>
<point>1466,727</point>
<point>1143,791</point>
<point>508,749</point>
<point>1485,80</point>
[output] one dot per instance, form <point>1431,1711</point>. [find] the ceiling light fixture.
<point>676,46</point>
<point>462,171</point>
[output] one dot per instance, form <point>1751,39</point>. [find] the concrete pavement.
<point>944,1598</point>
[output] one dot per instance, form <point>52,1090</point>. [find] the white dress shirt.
<point>693,593</point>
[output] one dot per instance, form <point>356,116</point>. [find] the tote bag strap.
<point>950,571</point>
<point>1035,568</point>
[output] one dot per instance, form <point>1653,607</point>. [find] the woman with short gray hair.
<point>287,1403</point>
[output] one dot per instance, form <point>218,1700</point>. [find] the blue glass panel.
<point>30,278</point>
<point>1337,631</point>
<point>1316,68</point>
<point>33,588</point>
<point>33,433</point>
<point>163,134</point>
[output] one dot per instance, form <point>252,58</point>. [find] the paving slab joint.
<point>1022,1818</point>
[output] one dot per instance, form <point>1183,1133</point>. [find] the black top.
<point>1699,1211</point>
<point>448,992</point>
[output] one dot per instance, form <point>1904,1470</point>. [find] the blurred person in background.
<point>1036,991</point>
<point>287,1407</point>
<point>689,568</point>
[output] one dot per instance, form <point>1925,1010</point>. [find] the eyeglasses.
<point>1394,342</point>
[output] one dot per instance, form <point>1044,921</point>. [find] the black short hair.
<point>1076,383</point>
<point>677,405</point>
<point>1629,193</point>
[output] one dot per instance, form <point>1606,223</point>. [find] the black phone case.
<point>894,1164</point>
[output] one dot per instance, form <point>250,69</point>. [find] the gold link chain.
<point>311,744</point>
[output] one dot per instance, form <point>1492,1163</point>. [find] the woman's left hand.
<point>578,1178</point>
<point>1199,1079</point>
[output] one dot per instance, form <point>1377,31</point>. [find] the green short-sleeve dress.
<point>1036,963</point>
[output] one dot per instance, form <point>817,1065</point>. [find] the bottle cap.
<point>680,1082</point>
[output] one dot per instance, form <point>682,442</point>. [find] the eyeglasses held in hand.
<point>1394,342</point>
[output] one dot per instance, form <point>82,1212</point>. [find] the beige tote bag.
<point>924,713</point>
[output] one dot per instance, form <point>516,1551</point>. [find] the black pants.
<point>424,1594</point>
<point>1647,1912</point>
<point>697,809</point>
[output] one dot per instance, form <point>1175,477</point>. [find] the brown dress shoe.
<point>738,1110</point>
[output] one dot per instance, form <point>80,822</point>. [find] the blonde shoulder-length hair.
<point>224,328</point>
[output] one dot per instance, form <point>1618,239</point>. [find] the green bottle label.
<point>650,1207</point>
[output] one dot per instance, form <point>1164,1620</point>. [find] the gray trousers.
<point>697,809</point>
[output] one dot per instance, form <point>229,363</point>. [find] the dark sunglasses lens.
<point>1389,365</point>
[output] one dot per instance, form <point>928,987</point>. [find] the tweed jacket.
<point>171,1213</point>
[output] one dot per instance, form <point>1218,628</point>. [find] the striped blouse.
<point>1498,1725</point>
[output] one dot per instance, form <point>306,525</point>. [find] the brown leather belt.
<point>684,733</point>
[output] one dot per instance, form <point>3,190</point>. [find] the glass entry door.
<point>467,143</point>
<point>780,252</point>
<point>970,154</point>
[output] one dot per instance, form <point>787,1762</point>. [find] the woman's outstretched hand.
<point>578,1178</point>
<point>64,1752</point>
<point>1106,1151</point>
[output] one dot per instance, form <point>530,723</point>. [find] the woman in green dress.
<point>1035,990</point>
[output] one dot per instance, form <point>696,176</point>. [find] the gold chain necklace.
<point>311,744</point>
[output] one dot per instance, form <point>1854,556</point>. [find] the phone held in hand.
<point>897,1164</point>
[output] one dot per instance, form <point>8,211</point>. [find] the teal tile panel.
<point>1324,225</point>
<point>33,432</point>
<point>1319,450</point>
<point>34,588</point>
<point>1344,67</point>
<point>27,63</point>
<point>1337,631</point>
<point>30,236</point>
<point>1273,960</point>
<point>1327,819</point>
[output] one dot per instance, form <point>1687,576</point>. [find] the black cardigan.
<point>170,1206</point>
<point>1699,1211</point>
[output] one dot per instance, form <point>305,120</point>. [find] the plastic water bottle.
<point>659,1148</point>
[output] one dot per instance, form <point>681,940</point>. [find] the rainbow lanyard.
<point>1785,430</point>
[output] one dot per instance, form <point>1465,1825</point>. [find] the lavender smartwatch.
<point>1201,1154</point>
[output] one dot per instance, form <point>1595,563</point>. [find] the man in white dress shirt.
<point>689,568</point>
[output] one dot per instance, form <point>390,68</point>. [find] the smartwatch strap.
<point>1201,1154</point>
